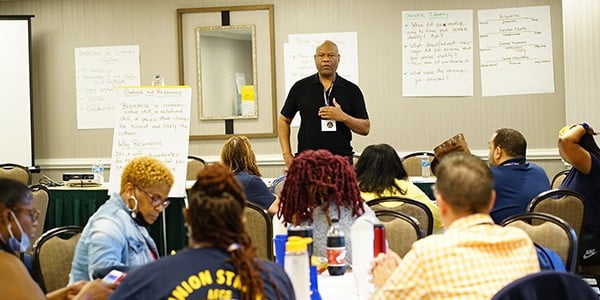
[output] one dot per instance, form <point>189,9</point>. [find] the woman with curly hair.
<point>116,234</point>
<point>237,154</point>
<point>220,262</point>
<point>320,187</point>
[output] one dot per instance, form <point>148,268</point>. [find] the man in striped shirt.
<point>474,258</point>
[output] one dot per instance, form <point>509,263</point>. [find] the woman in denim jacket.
<point>116,234</point>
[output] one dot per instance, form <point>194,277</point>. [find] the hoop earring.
<point>132,210</point>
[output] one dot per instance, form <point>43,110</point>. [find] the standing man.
<point>516,181</point>
<point>474,258</point>
<point>330,108</point>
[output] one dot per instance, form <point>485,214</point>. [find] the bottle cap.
<point>295,245</point>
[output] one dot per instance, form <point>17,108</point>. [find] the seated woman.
<point>116,234</point>
<point>320,187</point>
<point>237,154</point>
<point>577,147</point>
<point>220,262</point>
<point>380,173</point>
<point>18,222</point>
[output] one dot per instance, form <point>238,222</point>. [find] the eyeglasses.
<point>155,200</point>
<point>34,214</point>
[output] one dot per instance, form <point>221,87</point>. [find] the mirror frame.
<point>190,59</point>
<point>202,103</point>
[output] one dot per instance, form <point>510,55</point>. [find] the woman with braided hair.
<point>320,187</point>
<point>220,262</point>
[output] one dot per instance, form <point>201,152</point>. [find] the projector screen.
<point>16,128</point>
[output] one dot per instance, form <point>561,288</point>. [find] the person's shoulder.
<point>307,80</point>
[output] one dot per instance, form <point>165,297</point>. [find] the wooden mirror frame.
<point>265,83</point>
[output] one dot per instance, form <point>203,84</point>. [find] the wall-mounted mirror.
<point>226,68</point>
<point>227,57</point>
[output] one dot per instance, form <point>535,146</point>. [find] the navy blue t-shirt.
<point>256,190</point>
<point>589,187</point>
<point>307,96</point>
<point>202,273</point>
<point>516,183</point>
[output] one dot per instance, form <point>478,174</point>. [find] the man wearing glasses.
<point>116,234</point>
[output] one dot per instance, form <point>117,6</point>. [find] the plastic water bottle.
<point>98,171</point>
<point>425,166</point>
<point>336,250</point>
<point>158,80</point>
<point>297,267</point>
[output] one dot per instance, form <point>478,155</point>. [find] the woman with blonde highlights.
<point>221,262</point>
<point>237,154</point>
<point>116,234</point>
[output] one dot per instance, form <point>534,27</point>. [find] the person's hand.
<point>334,112</point>
<point>287,158</point>
<point>75,288</point>
<point>95,290</point>
<point>383,266</point>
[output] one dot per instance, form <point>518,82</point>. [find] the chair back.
<point>401,230</point>
<point>406,206</point>
<point>16,172</point>
<point>565,204</point>
<point>260,228</point>
<point>194,166</point>
<point>52,256</point>
<point>558,179</point>
<point>41,198</point>
<point>412,162</point>
<point>547,285</point>
<point>277,185</point>
<point>548,231</point>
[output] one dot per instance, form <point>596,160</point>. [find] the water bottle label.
<point>425,163</point>
<point>336,256</point>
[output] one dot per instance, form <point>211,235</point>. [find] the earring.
<point>132,210</point>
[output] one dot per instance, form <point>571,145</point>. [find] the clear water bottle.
<point>297,267</point>
<point>98,171</point>
<point>158,80</point>
<point>425,166</point>
<point>336,250</point>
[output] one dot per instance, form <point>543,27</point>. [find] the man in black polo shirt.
<point>330,108</point>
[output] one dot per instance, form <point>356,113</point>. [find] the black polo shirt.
<point>307,96</point>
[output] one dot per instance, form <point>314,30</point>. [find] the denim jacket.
<point>110,238</point>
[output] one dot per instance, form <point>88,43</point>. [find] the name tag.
<point>328,125</point>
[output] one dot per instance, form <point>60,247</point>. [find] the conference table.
<point>74,206</point>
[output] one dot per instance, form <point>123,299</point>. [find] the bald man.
<point>330,107</point>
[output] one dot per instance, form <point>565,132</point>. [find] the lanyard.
<point>327,94</point>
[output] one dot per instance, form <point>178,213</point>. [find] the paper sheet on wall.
<point>437,53</point>
<point>152,121</point>
<point>98,73</point>
<point>515,46</point>
<point>300,49</point>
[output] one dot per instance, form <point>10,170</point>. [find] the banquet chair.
<point>277,185</point>
<point>16,172</point>
<point>260,228</point>
<point>194,166</point>
<point>406,206</point>
<point>547,285</point>
<point>41,198</point>
<point>401,231</point>
<point>558,179</point>
<point>565,204</point>
<point>549,231</point>
<point>412,162</point>
<point>52,257</point>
